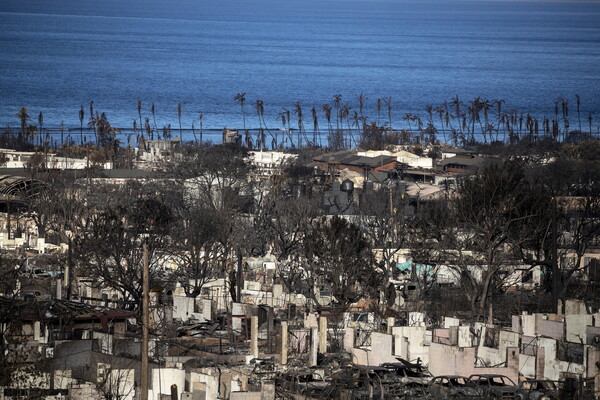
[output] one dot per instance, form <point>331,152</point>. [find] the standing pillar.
<point>254,336</point>
<point>314,347</point>
<point>284,343</point>
<point>391,321</point>
<point>323,335</point>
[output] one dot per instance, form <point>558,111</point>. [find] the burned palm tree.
<point>546,126</point>
<point>260,111</point>
<point>300,116</point>
<point>456,104</point>
<point>93,117</point>
<point>565,112</point>
<point>439,110</point>
<point>241,99</point>
<point>357,124</point>
<point>286,132</point>
<point>313,111</point>
<point>378,111</point>
<point>81,117</point>
<point>93,124</point>
<point>408,117</point>
<point>201,120</point>
<point>361,100</point>
<point>194,132</point>
<point>499,115</point>
<point>447,119</point>
<point>139,110</point>
<point>345,115</point>
<point>23,116</point>
<point>484,104</point>
<point>337,101</point>
<point>179,118</point>
<point>326,108</point>
<point>475,107</point>
<point>388,103</point>
<point>41,126</point>
<point>149,130</point>
<point>137,139</point>
<point>153,111</point>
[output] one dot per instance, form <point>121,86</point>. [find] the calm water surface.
<point>57,55</point>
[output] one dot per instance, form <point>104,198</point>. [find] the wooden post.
<point>145,323</point>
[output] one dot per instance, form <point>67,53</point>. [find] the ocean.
<point>56,55</point>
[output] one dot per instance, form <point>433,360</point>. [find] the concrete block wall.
<point>183,308</point>
<point>449,321</point>
<point>453,360</point>
<point>575,307</point>
<point>409,343</point>
<point>576,327</point>
<point>554,368</point>
<point>553,329</point>
<point>162,379</point>
<point>379,352</point>
<point>465,338</point>
<point>204,382</point>
<point>507,340</point>
<point>516,324</point>
<point>531,324</point>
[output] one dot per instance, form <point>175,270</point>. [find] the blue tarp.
<point>406,267</point>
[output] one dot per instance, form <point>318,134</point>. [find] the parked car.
<point>537,390</point>
<point>495,386</point>
<point>453,387</point>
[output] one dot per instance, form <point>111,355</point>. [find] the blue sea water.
<point>56,55</point>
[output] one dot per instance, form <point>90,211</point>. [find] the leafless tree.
<point>477,232</point>
<point>337,255</point>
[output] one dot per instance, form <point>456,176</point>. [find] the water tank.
<point>347,186</point>
<point>368,186</point>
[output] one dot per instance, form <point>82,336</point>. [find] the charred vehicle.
<point>453,387</point>
<point>495,386</point>
<point>305,382</point>
<point>537,390</point>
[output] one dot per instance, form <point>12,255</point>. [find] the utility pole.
<point>69,268</point>
<point>145,323</point>
<point>556,286</point>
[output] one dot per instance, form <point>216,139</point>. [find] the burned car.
<point>413,377</point>
<point>367,382</point>
<point>453,386</point>
<point>305,382</point>
<point>495,386</point>
<point>537,390</point>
